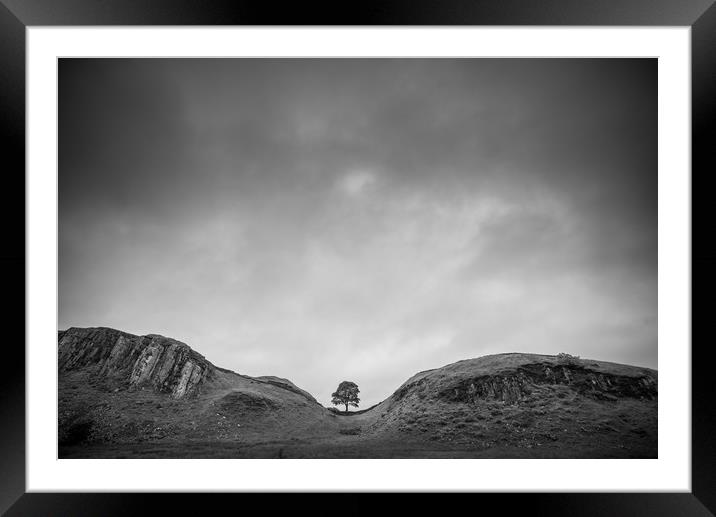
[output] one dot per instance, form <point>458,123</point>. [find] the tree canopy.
<point>346,394</point>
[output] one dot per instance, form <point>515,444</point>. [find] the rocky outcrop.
<point>135,362</point>
<point>513,386</point>
<point>509,389</point>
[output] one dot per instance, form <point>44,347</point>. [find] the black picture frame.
<point>16,15</point>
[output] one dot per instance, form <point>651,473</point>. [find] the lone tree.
<point>346,394</point>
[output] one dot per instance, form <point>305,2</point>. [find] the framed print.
<point>405,250</point>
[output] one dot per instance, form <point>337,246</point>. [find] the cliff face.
<point>513,386</point>
<point>513,377</point>
<point>134,362</point>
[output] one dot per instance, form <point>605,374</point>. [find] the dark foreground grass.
<point>368,449</point>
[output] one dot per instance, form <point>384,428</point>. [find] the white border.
<point>670,472</point>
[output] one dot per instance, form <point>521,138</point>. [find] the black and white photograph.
<point>357,258</point>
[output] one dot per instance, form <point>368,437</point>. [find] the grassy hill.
<point>542,404</point>
<point>110,392</point>
<point>122,395</point>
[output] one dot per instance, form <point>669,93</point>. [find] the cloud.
<point>356,182</point>
<point>324,220</point>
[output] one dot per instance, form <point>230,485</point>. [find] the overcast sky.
<point>327,220</point>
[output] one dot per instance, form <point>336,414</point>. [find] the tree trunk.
<point>346,408</point>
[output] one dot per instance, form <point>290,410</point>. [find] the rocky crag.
<point>588,378</point>
<point>134,362</point>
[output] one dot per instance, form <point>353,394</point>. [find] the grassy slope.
<point>240,416</point>
<point>235,408</point>
<point>554,416</point>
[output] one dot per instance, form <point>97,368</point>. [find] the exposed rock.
<point>507,388</point>
<point>162,364</point>
<point>513,386</point>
